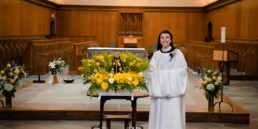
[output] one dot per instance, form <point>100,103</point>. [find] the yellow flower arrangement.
<point>98,72</point>
<point>211,81</point>
<point>10,78</point>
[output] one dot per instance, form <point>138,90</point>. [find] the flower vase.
<point>210,103</point>
<point>55,79</point>
<point>8,101</point>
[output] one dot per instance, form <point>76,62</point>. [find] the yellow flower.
<point>129,78</point>
<point>129,82</point>
<point>12,80</point>
<point>99,80</point>
<point>101,57</point>
<point>204,83</point>
<point>9,65</point>
<point>121,81</point>
<point>97,63</point>
<point>95,71</point>
<point>216,83</point>
<point>4,78</point>
<point>84,61</point>
<point>209,79</point>
<point>2,71</point>
<point>104,86</point>
<point>214,78</point>
<point>117,77</point>
<point>11,73</point>
<point>17,71</point>
<point>135,82</point>
<point>124,56</point>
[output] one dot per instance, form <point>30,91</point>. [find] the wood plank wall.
<point>239,18</point>
<point>20,17</point>
<point>104,24</point>
<point>183,25</point>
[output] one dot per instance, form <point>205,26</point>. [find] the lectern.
<point>225,57</point>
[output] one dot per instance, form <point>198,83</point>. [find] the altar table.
<point>130,117</point>
<point>96,50</point>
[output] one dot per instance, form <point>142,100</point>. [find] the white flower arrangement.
<point>57,65</point>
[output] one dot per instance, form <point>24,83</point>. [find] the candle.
<point>53,15</point>
<point>223,34</point>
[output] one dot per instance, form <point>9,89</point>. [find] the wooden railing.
<point>40,52</point>
<point>36,52</point>
<point>199,54</point>
<point>13,48</point>
<point>80,52</point>
<point>78,39</point>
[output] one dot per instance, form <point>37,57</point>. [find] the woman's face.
<point>165,40</point>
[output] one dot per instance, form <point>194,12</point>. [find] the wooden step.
<point>117,117</point>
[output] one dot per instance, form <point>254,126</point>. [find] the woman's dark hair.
<point>159,46</point>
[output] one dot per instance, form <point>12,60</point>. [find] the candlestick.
<point>53,15</point>
<point>223,34</point>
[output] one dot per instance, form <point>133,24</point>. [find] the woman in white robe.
<point>167,85</point>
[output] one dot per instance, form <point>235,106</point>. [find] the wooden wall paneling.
<point>19,17</point>
<point>196,27</point>
<point>102,24</point>
<point>105,27</point>
<point>235,13</point>
<point>150,35</point>
<point>183,25</point>
<point>240,18</point>
<point>244,22</point>
<point>254,20</point>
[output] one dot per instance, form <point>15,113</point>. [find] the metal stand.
<point>222,86</point>
<point>38,81</point>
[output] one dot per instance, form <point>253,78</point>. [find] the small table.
<point>126,118</point>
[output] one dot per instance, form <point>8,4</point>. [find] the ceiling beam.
<point>45,3</point>
<point>218,4</point>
